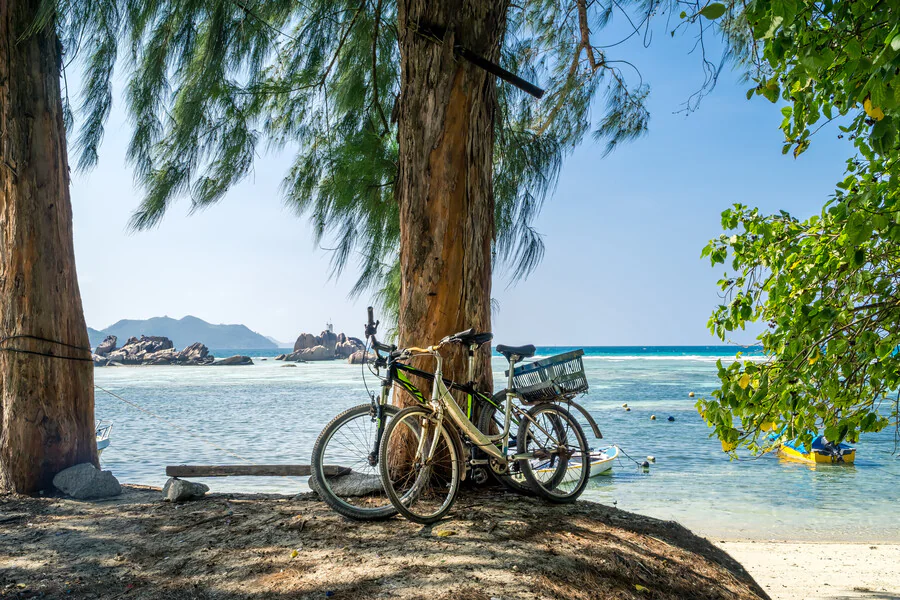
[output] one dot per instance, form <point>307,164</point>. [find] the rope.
<point>43,339</point>
<point>626,454</point>
<point>3,340</point>
<point>174,425</point>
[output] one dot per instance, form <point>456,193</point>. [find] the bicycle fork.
<point>377,412</point>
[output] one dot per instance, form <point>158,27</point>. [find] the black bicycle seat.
<point>526,351</point>
<point>469,337</point>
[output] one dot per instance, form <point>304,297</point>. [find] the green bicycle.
<point>353,438</point>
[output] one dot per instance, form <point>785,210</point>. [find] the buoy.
<point>627,409</point>
<point>651,459</point>
<point>652,417</point>
<point>645,465</point>
<point>690,394</point>
<point>625,405</point>
<point>670,419</point>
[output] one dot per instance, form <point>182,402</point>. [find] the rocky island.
<point>157,350</point>
<point>326,346</point>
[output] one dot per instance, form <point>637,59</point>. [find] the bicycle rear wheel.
<point>558,463</point>
<point>422,485</point>
<point>351,440</point>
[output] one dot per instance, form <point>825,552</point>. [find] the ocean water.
<point>268,413</point>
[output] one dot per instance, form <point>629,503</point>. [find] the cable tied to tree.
<point>25,336</point>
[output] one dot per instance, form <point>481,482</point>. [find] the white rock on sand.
<point>828,571</point>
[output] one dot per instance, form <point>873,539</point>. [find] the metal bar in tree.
<point>250,470</point>
<point>436,34</point>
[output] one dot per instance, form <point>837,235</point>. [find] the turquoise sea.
<point>267,413</point>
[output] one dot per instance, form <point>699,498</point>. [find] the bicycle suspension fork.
<point>378,416</point>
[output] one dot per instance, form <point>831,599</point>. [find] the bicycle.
<point>352,438</point>
<point>422,452</point>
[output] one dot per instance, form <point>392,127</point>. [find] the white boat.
<point>103,429</point>
<point>601,463</point>
<point>601,460</point>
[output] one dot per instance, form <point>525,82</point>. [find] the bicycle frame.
<point>442,401</point>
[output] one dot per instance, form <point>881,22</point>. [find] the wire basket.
<point>549,378</point>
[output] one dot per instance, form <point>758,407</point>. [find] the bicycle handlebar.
<point>372,324</point>
<point>416,350</point>
<point>372,329</point>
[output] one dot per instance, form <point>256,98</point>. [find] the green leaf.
<point>713,11</point>
<point>895,43</point>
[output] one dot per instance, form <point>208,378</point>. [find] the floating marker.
<point>670,419</point>
<point>645,465</point>
<point>652,417</point>
<point>625,405</point>
<point>690,394</point>
<point>651,459</point>
<point>627,409</point>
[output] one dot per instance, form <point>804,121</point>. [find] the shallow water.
<point>267,413</point>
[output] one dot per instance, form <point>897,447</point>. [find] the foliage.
<point>214,83</point>
<point>826,286</point>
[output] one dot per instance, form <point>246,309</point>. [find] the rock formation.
<point>86,482</point>
<point>106,346</point>
<point>179,490</point>
<point>325,346</point>
<point>151,350</point>
<point>235,360</point>
<point>359,357</point>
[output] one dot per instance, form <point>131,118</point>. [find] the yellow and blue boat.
<point>821,451</point>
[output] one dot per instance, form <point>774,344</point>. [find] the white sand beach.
<point>826,571</point>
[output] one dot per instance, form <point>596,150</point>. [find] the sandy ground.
<point>801,571</point>
<point>254,547</point>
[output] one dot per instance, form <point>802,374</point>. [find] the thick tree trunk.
<point>47,404</point>
<point>446,136</point>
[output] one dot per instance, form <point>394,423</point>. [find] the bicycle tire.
<point>563,482</point>
<point>320,483</point>
<point>427,481</point>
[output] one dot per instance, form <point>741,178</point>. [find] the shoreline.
<point>824,570</point>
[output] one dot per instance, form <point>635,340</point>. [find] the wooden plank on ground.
<point>249,470</point>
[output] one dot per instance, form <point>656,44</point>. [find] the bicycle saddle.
<point>526,351</point>
<point>469,336</point>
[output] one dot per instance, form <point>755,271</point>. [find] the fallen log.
<point>249,470</point>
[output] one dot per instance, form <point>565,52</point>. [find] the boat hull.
<point>819,458</point>
<point>601,463</point>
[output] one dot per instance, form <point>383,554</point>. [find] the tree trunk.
<point>47,403</point>
<point>446,136</point>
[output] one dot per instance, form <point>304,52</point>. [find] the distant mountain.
<point>96,336</point>
<point>279,343</point>
<point>184,332</point>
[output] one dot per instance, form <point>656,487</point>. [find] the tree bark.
<point>446,139</point>
<point>46,403</point>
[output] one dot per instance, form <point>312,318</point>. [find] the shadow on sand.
<point>243,546</point>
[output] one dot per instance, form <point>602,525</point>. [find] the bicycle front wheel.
<point>351,440</point>
<point>420,465</point>
<point>557,462</point>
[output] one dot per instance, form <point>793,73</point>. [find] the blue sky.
<point>623,233</point>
